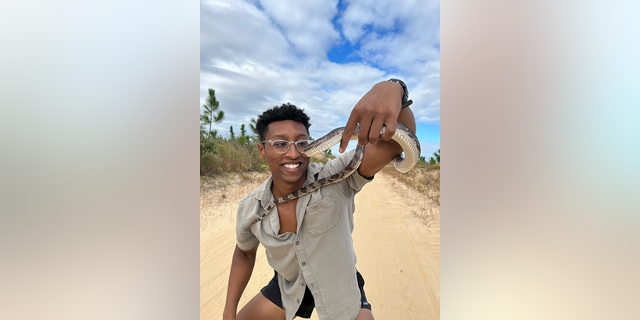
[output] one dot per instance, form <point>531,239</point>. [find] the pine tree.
<point>211,114</point>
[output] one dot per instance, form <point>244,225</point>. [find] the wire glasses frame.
<point>282,146</point>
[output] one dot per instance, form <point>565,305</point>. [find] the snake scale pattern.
<point>403,135</point>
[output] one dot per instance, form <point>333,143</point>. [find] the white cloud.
<point>235,32</point>
<point>258,54</point>
<point>405,36</point>
<point>380,15</point>
<point>306,24</point>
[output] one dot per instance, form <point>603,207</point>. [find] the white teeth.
<point>292,166</point>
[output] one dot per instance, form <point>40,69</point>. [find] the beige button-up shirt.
<point>320,254</point>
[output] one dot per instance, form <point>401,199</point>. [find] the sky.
<point>320,55</point>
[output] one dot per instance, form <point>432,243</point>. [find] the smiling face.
<point>289,170</point>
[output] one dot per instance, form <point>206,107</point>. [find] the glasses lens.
<point>280,146</point>
<point>301,144</point>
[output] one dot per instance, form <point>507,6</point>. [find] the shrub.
<point>230,155</point>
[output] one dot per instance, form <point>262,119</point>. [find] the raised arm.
<point>381,105</point>
<point>241,269</point>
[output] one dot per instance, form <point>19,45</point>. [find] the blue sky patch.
<point>344,53</point>
<point>428,132</point>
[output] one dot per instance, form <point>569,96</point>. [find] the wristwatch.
<point>405,97</point>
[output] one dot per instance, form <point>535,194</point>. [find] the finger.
<point>348,132</point>
<point>390,120</point>
<point>374,133</point>
<point>391,129</point>
<point>363,134</point>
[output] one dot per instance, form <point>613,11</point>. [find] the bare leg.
<point>261,308</point>
<point>365,314</point>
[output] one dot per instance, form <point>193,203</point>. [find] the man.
<point>308,240</point>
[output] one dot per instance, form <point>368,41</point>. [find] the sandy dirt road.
<point>398,255</point>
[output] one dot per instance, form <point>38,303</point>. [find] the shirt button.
<point>304,264</point>
<point>298,300</point>
<point>297,243</point>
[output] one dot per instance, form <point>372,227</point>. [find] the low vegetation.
<point>219,155</point>
<point>424,178</point>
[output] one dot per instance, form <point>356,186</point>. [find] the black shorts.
<point>272,292</point>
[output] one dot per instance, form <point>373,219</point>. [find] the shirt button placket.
<point>301,256</point>
<point>298,244</point>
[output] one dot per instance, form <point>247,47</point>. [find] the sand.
<point>398,250</point>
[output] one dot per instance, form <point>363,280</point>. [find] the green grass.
<point>220,155</point>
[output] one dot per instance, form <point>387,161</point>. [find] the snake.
<point>403,136</point>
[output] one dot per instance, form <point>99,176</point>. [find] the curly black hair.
<point>286,111</point>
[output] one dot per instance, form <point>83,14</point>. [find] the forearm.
<point>241,268</point>
<point>407,118</point>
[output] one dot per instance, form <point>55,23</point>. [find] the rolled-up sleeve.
<point>245,239</point>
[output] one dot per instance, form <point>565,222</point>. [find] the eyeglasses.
<point>282,146</point>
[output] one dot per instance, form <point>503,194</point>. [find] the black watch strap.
<point>405,97</point>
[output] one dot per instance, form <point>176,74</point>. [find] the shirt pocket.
<point>321,216</point>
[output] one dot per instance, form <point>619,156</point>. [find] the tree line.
<point>433,160</point>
